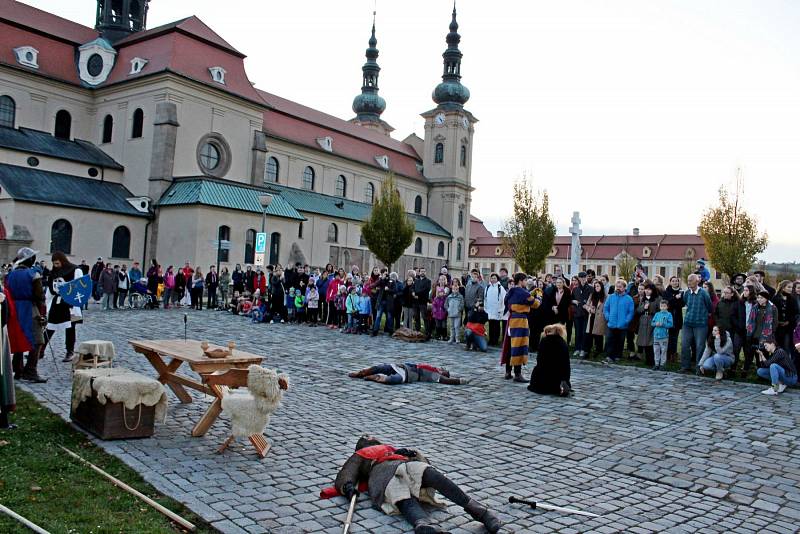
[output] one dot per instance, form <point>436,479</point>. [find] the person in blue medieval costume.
<point>518,303</point>
<point>24,293</point>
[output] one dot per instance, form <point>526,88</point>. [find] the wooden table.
<point>177,352</point>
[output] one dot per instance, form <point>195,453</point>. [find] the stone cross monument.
<point>575,248</point>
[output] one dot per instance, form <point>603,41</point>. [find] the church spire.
<point>451,93</point>
<point>368,106</point>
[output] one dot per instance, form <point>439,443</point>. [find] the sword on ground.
<point>349,519</point>
<point>534,504</point>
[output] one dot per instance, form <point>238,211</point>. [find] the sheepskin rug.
<point>120,385</point>
<point>250,410</point>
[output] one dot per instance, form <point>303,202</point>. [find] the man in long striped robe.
<point>518,304</point>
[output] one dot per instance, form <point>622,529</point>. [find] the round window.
<point>33,161</point>
<point>209,156</point>
<point>95,65</point>
<point>93,172</point>
<point>213,155</point>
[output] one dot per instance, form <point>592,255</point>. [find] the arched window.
<point>440,249</point>
<point>460,219</point>
<point>223,234</point>
<point>271,172</point>
<point>138,123</point>
<point>369,193</point>
<point>458,252</point>
<point>418,246</point>
<point>463,155</point>
<point>63,124</point>
<point>438,154</point>
<point>274,248</point>
<point>418,204</point>
<point>250,246</point>
<point>308,178</point>
<point>108,129</point>
<point>121,243</point>
<point>8,111</point>
<point>341,186</point>
<point>333,233</point>
<point>61,237</point>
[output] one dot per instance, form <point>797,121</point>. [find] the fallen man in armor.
<point>407,373</point>
<point>398,480</point>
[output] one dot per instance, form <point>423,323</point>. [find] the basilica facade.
<point>128,143</point>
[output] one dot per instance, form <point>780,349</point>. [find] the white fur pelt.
<point>250,411</point>
<point>120,385</point>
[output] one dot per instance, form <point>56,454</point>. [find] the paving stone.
<point>648,451</point>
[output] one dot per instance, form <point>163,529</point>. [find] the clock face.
<point>439,118</point>
<point>465,122</point>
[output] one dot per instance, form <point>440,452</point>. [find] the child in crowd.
<point>475,331</point>
<point>290,310</point>
<point>351,308</point>
<point>662,322</point>
<point>299,307</point>
<point>364,310</point>
<point>439,313</point>
<point>340,303</point>
<point>455,308</point>
<point>312,303</point>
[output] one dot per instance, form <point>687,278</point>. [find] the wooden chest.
<point>112,420</point>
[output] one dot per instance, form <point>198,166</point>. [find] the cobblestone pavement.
<point>648,451</point>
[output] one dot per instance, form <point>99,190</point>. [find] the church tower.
<point>369,105</point>
<point>447,158</point>
<point>117,19</point>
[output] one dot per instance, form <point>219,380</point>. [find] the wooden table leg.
<point>208,418</point>
<point>165,372</point>
<point>260,443</point>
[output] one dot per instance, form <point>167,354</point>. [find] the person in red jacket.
<point>333,290</point>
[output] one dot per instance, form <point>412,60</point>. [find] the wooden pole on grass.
<point>170,514</point>
<point>11,513</point>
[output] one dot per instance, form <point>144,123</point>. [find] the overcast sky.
<point>631,112</point>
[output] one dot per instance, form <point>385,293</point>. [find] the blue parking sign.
<point>261,243</point>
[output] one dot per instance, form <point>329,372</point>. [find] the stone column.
<point>575,248</point>
<point>162,162</point>
<point>259,158</point>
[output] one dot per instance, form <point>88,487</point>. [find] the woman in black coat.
<point>551,376</point>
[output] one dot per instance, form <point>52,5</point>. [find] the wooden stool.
<point>221,382</point>
<point>94,353</point>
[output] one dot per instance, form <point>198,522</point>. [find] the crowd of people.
<point>745,327</point>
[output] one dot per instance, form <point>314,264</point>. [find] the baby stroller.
<point>140,298</point>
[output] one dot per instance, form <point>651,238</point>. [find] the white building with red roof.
<point>663,254</point>
<point>124,143</point>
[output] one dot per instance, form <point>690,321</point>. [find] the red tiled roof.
<point>304,125</point>
<point>335,123</point>
<point>192,26</point>
<point>477,230</point>
<point>20,14</point>
<point>181,53</point>
<point>56,58</point>
<point>187,47</point>
<point>604,248</point>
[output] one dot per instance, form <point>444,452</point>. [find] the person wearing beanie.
<point>702,271</point>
